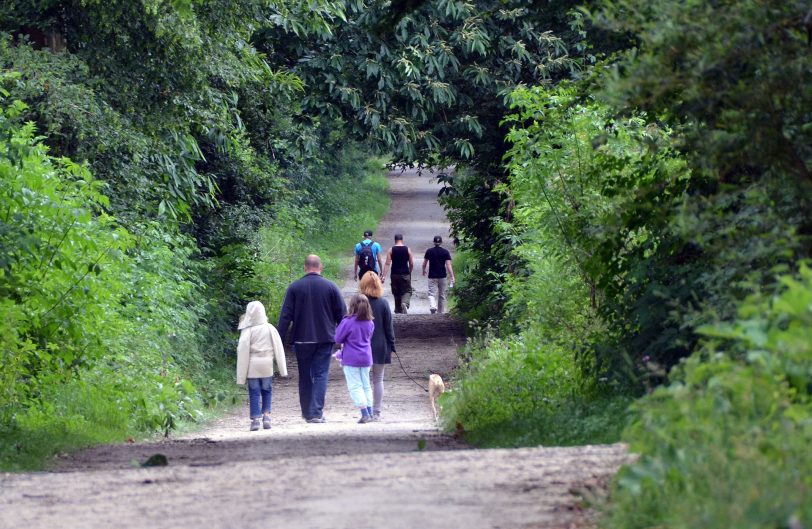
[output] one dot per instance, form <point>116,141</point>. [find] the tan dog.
<point>436,387</point>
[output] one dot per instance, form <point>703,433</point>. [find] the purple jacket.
<point>356,336</point>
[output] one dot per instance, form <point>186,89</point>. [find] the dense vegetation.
<point>157,175</point>
<point>657,209</point>
<point>632,207</point>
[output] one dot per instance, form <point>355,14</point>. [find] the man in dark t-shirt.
<point>440,271</point>
<point>399,257</point>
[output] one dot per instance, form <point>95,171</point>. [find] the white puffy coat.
<point>259,345</point>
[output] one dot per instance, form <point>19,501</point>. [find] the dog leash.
<point>408,375</point>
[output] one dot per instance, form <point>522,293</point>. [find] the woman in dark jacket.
<point>383,338</point>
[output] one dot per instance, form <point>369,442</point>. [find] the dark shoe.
<point>254,425</point>
<point>266,422</point>
<point>376,416</point>
<point>316,420</point>
<point>365,419</point>
<point>433,311</point>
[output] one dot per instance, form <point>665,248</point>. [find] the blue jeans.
<point>358,384</point>
<point>259,389</point>
<point>314,370</point>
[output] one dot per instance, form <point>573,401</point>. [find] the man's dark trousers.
<point>314,370</point>
<point>402,290</point>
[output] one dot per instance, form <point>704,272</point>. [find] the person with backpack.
<point>367,256</point>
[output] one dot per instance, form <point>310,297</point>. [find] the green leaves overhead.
<point>406,86</point>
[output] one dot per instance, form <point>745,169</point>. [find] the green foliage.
<point>95,321</point>
<point>431,86</point>
<point>726,443</point>
<point>733,72</point>
<point>197,146</point>
<point>525,391</point>
<point>62,265</point>
<point>430,83</point>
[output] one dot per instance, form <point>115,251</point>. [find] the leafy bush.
<point>526,391</point>
<point>97,323</point>
<point>726,443</point>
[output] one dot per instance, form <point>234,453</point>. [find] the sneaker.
<point>376,416</point>
<point>316,420</point>
<point>433,311</point>
<point>365,419</point>
<point>266,422</point>
<point>254,425</point>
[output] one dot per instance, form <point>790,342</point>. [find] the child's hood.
<point>254,315</point>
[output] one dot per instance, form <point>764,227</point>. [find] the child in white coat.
<point>259,345</point>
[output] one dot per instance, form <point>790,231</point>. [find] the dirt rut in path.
<point>398,473</point>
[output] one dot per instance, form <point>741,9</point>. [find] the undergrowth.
<point>726,442</point>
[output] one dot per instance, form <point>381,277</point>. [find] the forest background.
<point>632,199</point>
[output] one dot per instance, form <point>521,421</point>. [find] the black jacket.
<point>314,305</point>
<point>383,337</point>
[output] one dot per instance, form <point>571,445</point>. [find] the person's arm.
<point>387,265</point>
<point>339,308</point>
<point>355,267</point>
<point>278,352</point>
<point>286,314</point>
<point>380,260</point>
<point>450,270</point>
<point>243,352</point>
<point>411,262</point>
<point>425,262</point>
<point>342,331</point>
<point>388,329</point>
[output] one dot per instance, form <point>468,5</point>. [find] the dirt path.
<point>334,475</point>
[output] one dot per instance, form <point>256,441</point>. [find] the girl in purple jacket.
<point>354,334</point>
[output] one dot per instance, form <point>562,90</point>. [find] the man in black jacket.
<point>315,307</point>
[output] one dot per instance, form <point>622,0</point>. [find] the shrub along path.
<point>397,473</point>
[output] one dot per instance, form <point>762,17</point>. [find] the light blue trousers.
<point>358,384</point>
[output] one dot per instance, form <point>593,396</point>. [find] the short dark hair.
<point>398,237</point>
<point>438,239</point>
<point>368,233</point>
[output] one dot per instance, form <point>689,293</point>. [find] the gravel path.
<point>398,473</point>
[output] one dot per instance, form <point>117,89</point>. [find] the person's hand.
<point>424,272</point>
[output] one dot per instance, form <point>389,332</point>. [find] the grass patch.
<point>570,423</point>
<point>521,391</point>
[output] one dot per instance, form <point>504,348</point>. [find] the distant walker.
<point>399,257</point>
<point>438,261</point>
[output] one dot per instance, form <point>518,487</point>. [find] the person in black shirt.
<point>315,307</point>
<point>438,261</point>
<point>399,257</point>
